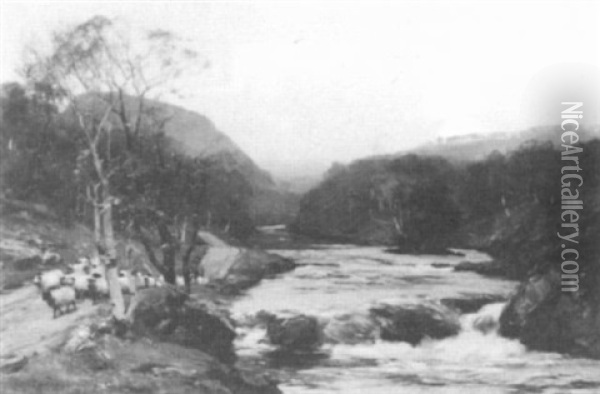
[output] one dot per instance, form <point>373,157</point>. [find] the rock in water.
<point>240,268</point>
<point>351,329</point>
<point>251,266</point>
<point>544,318</point>
<point>301,333</point>
<point>413,322</point>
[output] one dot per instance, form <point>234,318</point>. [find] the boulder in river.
<point>414,322</point>
<point>485,324</point>
<point>253,265</point>
<point>544,318</point>
<point>240,268</point>
<point>351,329</point>
<point>297,333</point>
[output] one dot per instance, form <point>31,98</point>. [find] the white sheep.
<point>80,282</point>
<point>97,271</point>
<point>47,281</point>
<point>82,266</point>
<point>37,280</point>
<point>67,280</point>
<point>63,296</point>
<point>98,287</point>
<point>95,262</point>
<point>152,281</point>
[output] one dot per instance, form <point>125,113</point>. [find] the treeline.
<point>508,205</point>
<point>44,160</point>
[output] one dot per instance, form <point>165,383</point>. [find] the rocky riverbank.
<point>544,318</point>
<point>173,342</point>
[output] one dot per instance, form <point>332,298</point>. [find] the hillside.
<point>505,204</point>
<point>192,134</point>
<point>476,147</point>
<point>196,136</point>
<point>232,192</point>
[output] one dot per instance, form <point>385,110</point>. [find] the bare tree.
<point>97,70</point>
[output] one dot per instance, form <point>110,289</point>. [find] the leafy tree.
<point>90,70</point>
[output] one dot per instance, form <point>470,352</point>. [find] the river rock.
<point>240,268</point>
<point>485,324</point>
<point>301,332</point>
<point>252,265</point>
<point>413,322</point>
<point>471,303</point>
<point>351,329</point>
<point>544,318</point>
<point>441,265</point>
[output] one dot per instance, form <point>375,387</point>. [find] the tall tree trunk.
<point>190,236</point>
<point>169,249</point>
<point>112,275</point>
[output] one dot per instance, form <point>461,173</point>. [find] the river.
<point>335,280</point>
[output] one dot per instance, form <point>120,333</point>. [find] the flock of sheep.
<point>85,279</point>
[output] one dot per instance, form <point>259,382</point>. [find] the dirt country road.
<point>27,325</point>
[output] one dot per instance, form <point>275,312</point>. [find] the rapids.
<point>335,280</point>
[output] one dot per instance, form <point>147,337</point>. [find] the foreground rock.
<point>108,364</point>
<point>414,322</point>
<point>168,314</point>
<point>544,318</point>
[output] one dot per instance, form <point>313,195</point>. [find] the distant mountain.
<point>193,134</point>
<point>474,147</point>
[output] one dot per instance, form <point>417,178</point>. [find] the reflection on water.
<point>338,280</point>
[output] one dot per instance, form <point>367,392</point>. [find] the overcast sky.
<point>301,84</point>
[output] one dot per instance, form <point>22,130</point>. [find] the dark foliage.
<point>43,161</point>
<point>508,205</point>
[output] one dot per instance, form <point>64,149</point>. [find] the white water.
<point>337,280</point>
